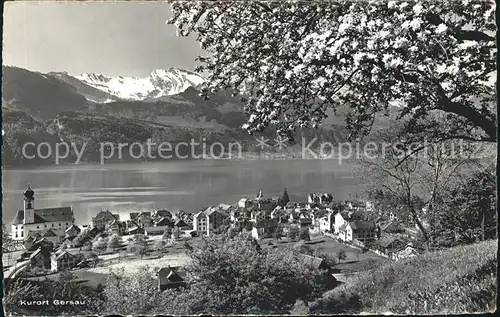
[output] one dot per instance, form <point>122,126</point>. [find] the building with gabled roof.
<point>51,236</point>
<point>164,222</point>
<point>171,277</point>
<point>317,263</point>
<point>72,231</point>
<point>320,264</point>
<point>40,258</point>
<point>63,261</point>
<point>390,244</point>
<point>264,228</point>
<point>319,198</point>
<point>103,219</point>
<point>162,213</point>
<point>31,219</point>
<point>361,230</point>
<point>205,221</point>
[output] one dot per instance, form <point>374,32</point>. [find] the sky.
<point>114,39</point>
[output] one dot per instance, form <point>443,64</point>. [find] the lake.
<point>172,185</point>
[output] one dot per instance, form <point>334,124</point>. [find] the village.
<point>49,241</point>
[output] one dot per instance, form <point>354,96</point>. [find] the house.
<point>63,261</point>
<point>204,222</point>
<point>408,252</point>
<point>305,223</point>
<point>291,205</point>
<point>40,259</point>
<point>94,232</point>
<point>39,220</point>
<point>320,264</point>
<point>102,219</point>
<point>316,214</point>
<point>136,230</point>
<point>245,203</point>
<point>200,222</point>
<point>128,224</point>
<point>183,215</point>
<point>344,216</point>
<point>51,236</point>
<point>390,244</point>
<point>256,216</point>
<point>163,213</point>
<point>164,221</point>
<point>29,241</point>
<point>170,277</point>
<point>335,206</point>
<point>363,231</point>
<point>303,205</point>
<point>326,222</point>
<point>69,242</point>
<point>240,214</point>
<point>115,227</point>
<point>155,231</point>
<point>224,208</point>
<point>264,228</point>
<point>215,220</point>
<point>72,231</point>
<point>266,204</point>
<point>319,198</point>
<point>392,226</point>
<point>278,213</point>
<point>133,216</point>
<point>181,224</point>
<point>356,205</point>
<point>294,217</point>
<point>317,263</point>
<point>41,243</point>
<point>144,219</point>
<point>369,206</point>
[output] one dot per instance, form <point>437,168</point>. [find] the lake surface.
<point>173,185</point>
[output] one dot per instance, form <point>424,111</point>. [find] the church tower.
<point>29,206</point>
<point>259,194</point>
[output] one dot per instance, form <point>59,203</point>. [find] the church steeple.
<point>29,193</point>
<point>29,205</point>
<point>259,194</point>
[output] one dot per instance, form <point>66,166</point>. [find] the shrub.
<point>304,235</point>
<point>236,277</point>
<point>293,233</point>
<point>457,280</point>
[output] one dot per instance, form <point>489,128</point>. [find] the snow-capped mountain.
<point>158,84</point>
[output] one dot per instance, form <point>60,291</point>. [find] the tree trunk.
<point>417,219</point>
<point>482,227</point>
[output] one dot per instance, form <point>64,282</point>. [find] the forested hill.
<point>59,107</point>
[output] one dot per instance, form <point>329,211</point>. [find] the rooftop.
<point>47,215</point>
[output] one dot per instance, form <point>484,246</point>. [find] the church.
<point>46,221</point>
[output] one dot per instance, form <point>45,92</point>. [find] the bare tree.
<point>414,178</point>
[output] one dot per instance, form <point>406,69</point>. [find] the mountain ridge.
<point>159,83</point>
<point>65,108</point>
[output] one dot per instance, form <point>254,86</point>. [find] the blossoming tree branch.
<point>292,61</point>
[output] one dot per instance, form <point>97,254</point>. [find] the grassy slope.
<point>456,280</point>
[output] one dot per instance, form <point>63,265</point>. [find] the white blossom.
<point>384,34</point>
<point>417,9</point>
<point>441,28</point>
<point>337,45</point>
<point>467,44</point>
<point>415,23</point>
<point>343,27</point>
<point>297,69</point>
<point>441,68</point>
